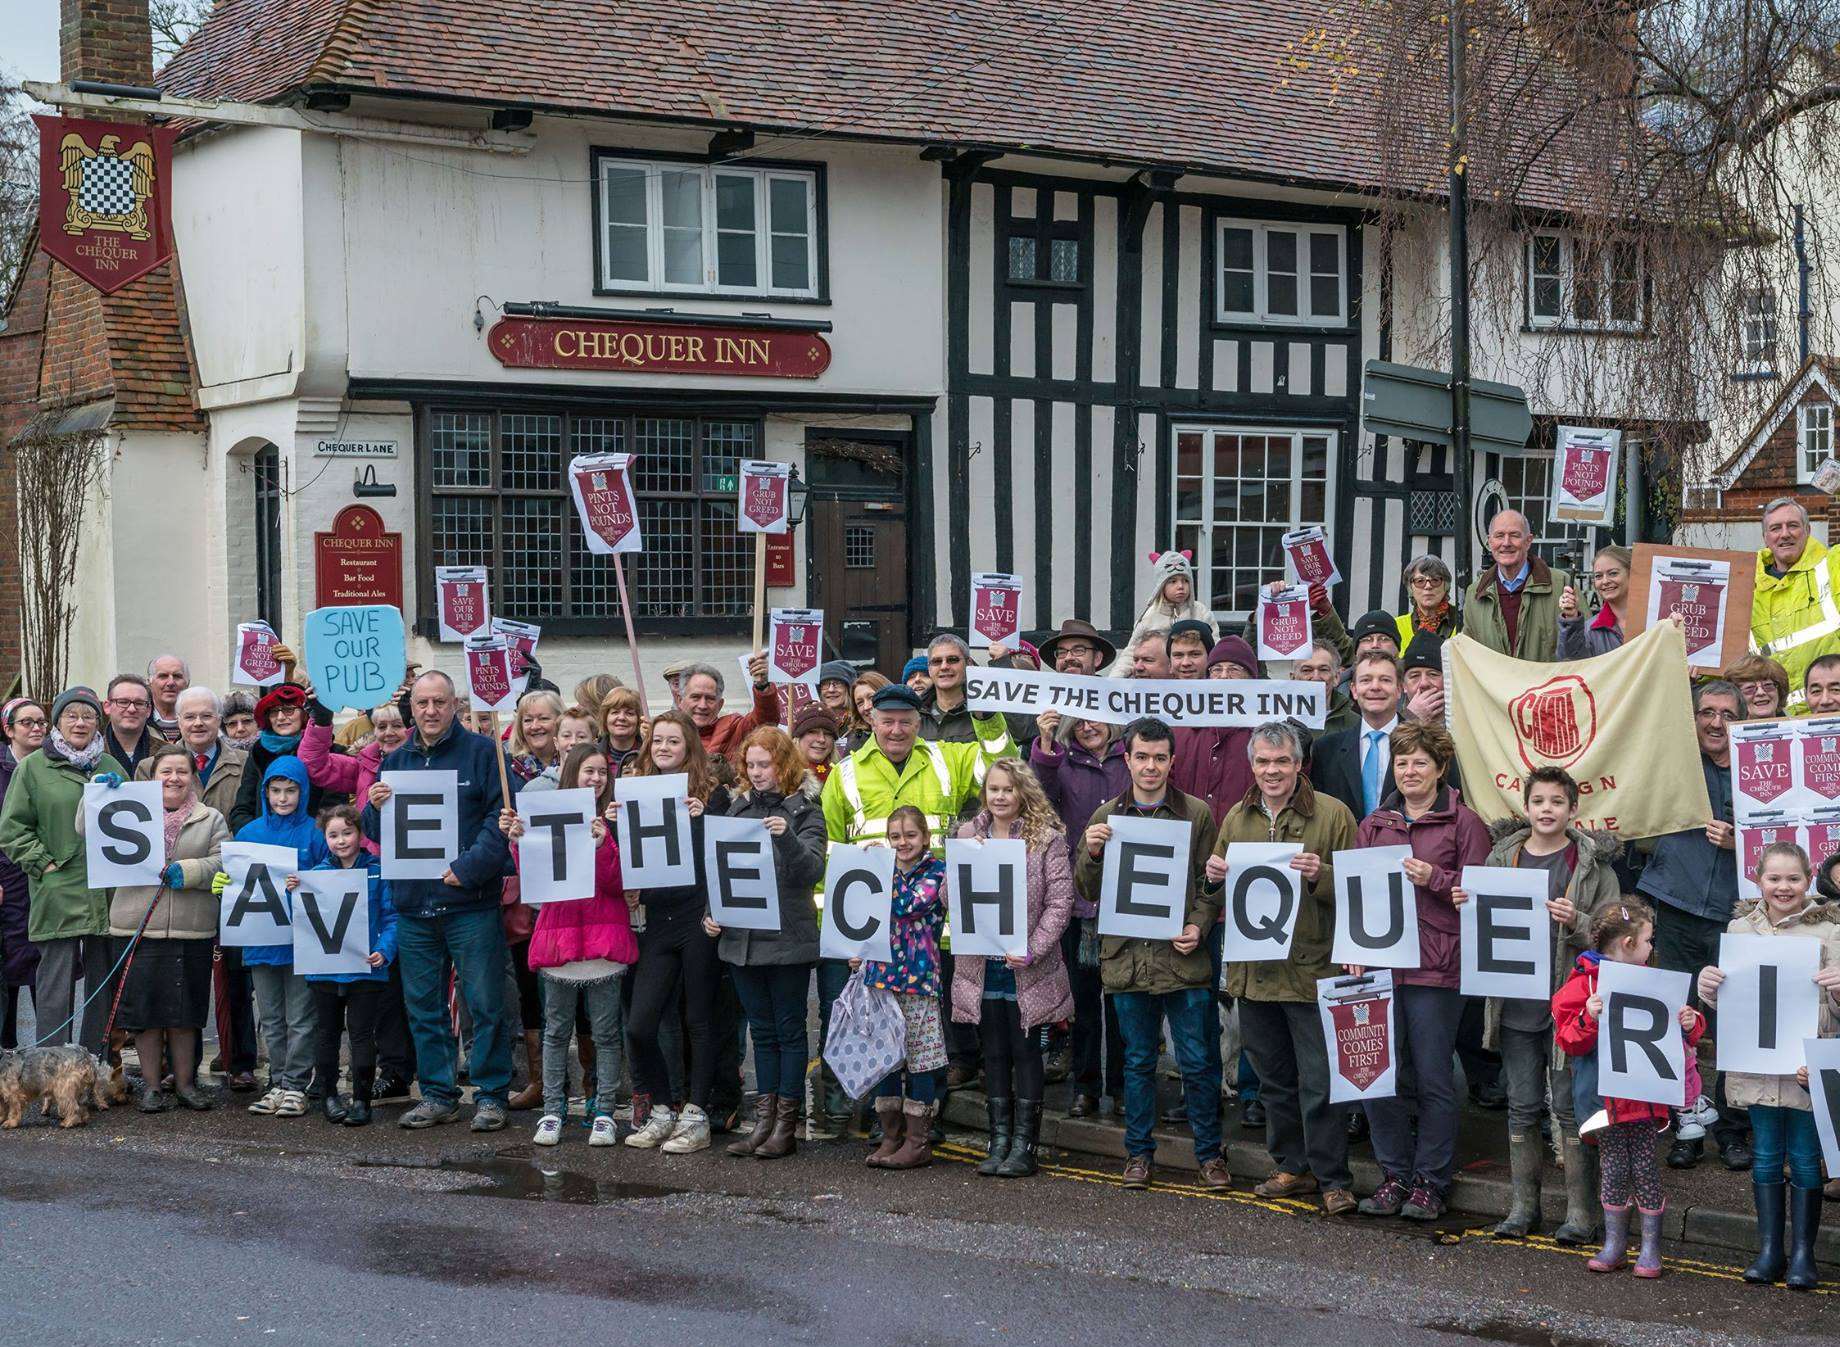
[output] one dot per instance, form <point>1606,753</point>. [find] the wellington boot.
<point>1000,1111</point>
<point>1526,1154</point>
<point>888,1114</point>
<point>1772,1261</point>
<point>1581,1207</point>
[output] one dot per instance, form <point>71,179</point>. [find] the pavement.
<point>226,1228</point>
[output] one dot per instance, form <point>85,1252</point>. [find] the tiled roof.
<point>130,346</point>
<point>1238,88</point>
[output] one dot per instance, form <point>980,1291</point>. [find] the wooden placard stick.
<point>632,641</point>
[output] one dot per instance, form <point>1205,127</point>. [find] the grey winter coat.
<point>798,861</point>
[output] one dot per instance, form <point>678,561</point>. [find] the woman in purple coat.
<point>23,722</point>
<point>1081,766</point>
<point>1011,998</point>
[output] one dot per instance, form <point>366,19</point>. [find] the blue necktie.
<point>1371,771</point>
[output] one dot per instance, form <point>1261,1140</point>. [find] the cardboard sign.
<point>1584,475</point>
<point>1307,550</point>
<point>521,638</point>
<point>1263,899</point>
<point>490,683</point>
<point>355,656</point>
<point>463,605</point>
<point>602,487</point>
<point>765,503</point>
<point>1641,1048</point>
<point>332,930</point>
<point>795,645</point>
<point>1284,623</point>
<point>987,894</point>
<point>254,663</point>
<point>1769,1002</point>
<point>1376,909</point>
<point>858,903</point>
<point>124,840</point>
<point>1143,885</point>
<point>996,609</point>
<point>1357,1021</point>
<point>1231,703</point>
<point>743,883</point>
<point>1506,933</point>
<point>1819,761</point>
<point>254,907</point>
<point>654,831</point>
<point>420,832</point>
<point>556,853</point>
<point>1763,768</point>
<point>1712,589</point>
<point>1822,1057</point>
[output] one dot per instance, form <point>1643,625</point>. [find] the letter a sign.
<point>602,487</point>
<point>105,197</point>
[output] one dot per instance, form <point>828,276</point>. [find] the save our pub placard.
<point>794,645</point>
<point>463,604</point>
<point>996,609</point>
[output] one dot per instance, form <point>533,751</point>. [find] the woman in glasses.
<point>1427,582</point>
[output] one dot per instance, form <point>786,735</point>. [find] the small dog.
<point>66,1079</point>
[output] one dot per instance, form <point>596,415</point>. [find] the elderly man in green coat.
<point>38,831</point>
<point>1513,606</point>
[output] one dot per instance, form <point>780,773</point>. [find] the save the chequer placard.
<point>1234,703</point>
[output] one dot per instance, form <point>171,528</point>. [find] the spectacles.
<point>30,722</point>
<point>1709,713</point>
<point>1426,582</point>
<point>131,703</point>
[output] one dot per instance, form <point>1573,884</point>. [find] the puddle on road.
<point>1510,1332</point>
<point>520,1177</point>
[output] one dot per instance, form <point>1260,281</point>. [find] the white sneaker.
<point>691,1132</point>
<point>293,1104</point>
<point>549,1130</point>
<point>270,1102</point>
<point>1685,1129</point>
<point>1702,1113</point>
<point>657,1128</point>
<point>605,1133</point>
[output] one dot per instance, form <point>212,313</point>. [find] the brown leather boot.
<point>784,1139</point>
<point>763,1124</point>
<point>888,1114</point>
<point>532,1094</point>
<point>917,1148</point>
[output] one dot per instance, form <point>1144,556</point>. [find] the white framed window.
<point>1702,496</point>
<point>1816,438</point>
<point>1582,285</point>
<point>1237,490</point>
<point>1757,319</point>
<point>707,228</point>
<point>1281,273</point>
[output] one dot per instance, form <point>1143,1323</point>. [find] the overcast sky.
<point>29,38</point>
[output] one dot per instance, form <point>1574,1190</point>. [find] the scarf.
<point>58,749</point>
<point>174,822</point>
<point>1419,623</point>
<point>278,744</point>
<point>246,743</point>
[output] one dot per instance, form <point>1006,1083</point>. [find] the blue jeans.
<point>1425,1021</point>
<point>1779,1133</point>
<point>472,943</point>
<point>774,999</point>
<point>1140,1018</point>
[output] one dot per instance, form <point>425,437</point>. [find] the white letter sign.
<point>1143,890</point>
<point>654,831</point>
<point>124,841</point>
<point>254,908</point>
<point>1506,933</point>
<point>858,903</point>
<point>1822,1056</point>
<point>988,892</point>
<point>1263,897</point>
<point>1376,911</point>
<point>556,852</point>
<point>333,934</point>
<point>420,832</point>
<point>743,884</point>
<point>1641,1049</point>
<point>1768,1002</point>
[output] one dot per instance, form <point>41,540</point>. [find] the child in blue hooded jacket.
<point>352,1002</point>
<point>284,1002</point>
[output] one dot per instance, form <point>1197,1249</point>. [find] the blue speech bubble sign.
<point>356,655</point>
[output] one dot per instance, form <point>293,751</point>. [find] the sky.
<point>29,38</point>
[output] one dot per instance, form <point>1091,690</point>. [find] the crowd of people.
<point>648,1002</point>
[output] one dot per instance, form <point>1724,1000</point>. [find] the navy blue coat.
<point>484,858</point>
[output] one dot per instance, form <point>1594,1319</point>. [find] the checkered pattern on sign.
<point>108,187</point>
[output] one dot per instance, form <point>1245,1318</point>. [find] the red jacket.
<point>1211,764</point>
<point>589,928</point>
<point>721,739</point>
<point>1576,1034</point>
<point>1450,836</point>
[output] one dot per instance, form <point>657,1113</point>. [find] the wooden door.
<point>857,560</point>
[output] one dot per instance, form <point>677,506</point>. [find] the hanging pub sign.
<point>765,495</point>
<point>105,197</point>
<point>602,487</point>
<point>1584,475</point>
<point>636,347</point>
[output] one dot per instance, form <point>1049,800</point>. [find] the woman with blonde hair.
<point>622,727</point>
<point>1009,999</point>
<point>533,747</point>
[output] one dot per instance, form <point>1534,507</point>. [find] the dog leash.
<point>127,958</point>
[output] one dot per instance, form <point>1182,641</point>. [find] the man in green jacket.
<point>38,831</point>
<point>1153,980</point>
<point>1278,1019</point>
<point>1513,606</point>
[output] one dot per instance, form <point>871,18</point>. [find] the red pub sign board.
<point>358,562</point>
<point>631,347</point>
<point>104,197</point>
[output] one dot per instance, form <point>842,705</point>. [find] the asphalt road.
<point>223,1228</point>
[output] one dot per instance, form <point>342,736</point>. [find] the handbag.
<point>868,1036</point>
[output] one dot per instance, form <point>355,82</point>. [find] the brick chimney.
<point>106,40</point>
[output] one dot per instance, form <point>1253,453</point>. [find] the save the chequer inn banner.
<point>1619,723</point>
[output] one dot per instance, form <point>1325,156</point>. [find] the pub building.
<point>1031,314</point>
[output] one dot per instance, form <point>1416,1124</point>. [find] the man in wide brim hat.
<point>1075,632</point>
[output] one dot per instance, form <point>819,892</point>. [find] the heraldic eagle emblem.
<point>108,187</point>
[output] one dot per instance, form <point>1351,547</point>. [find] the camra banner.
<point>1621,724</point>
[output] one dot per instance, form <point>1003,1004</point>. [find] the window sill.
<point>1565,330</point>
<point>1015,284</point>
<point>610,629</point>
<point>1231,327</point>
<point>715,297</point>
<point>1751,376</point>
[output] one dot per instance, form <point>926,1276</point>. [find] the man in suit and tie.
<point>1355,765</point>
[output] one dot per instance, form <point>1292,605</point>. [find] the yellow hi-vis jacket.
<point>1796,619</point>
<point>937,779</point>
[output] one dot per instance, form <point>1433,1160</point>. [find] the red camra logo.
<point>1554,722</point>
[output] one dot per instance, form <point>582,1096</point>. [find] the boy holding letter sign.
<point>1277,843</point>
<point>1777,986</point>
<point>1143,860</point>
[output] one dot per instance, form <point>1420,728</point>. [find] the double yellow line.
<point>1291,1206</point>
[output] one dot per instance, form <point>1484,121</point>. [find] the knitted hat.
<point>1164,566</point>
<point>814,718</point>
<point>77,696</point>
<point>836,671</point>
<point>1425,652</point>
<point>282,694</point>
<point>916,665</point>
<point>1377,623</point>
<point>1192,626</point>
<point>1234,650</point>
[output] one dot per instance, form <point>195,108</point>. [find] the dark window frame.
<point>1046,231</point>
